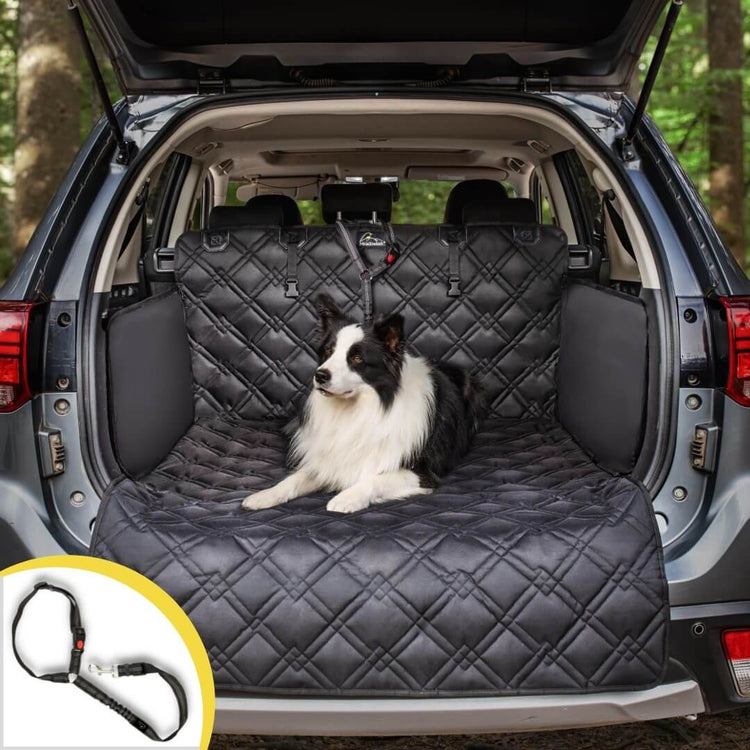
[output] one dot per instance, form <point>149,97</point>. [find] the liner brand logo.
<point>368,239</point>
<point>215,242</point>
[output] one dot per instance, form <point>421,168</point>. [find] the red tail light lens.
<point>737,651</point>
<point>14,378</point>
<point>738,327</point>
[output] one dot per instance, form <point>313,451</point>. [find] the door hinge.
<point>703,447</point>
<point>211,81</point>
<point>51,451</point>
<point>536,82</point>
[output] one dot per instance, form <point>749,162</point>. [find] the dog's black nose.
<point>322,376</point>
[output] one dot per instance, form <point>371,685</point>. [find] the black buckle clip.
<point>292,288</point>
<point>454,286</point>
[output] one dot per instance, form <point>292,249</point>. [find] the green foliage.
<point>8,10</point>
<point>421,202</point>
<point>312,212</point>
<point>681,101</point>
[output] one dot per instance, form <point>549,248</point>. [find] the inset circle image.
<point>96,655</point>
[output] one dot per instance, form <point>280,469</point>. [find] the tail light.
<point>737,651</point>
<point>14,376</point>
<point>738,326</point>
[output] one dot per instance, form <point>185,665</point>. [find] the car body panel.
<point>382,716</point>
<point>188,46</point>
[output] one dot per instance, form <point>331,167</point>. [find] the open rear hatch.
<point>188,46</point>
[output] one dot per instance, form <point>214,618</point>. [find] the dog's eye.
<point>357,359</point>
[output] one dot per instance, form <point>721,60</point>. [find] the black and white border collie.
<point>379,424</point>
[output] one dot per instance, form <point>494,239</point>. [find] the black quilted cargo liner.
<point>530,569</point>
<point>251,343</point>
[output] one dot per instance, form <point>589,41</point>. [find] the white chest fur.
<point>346,440</point>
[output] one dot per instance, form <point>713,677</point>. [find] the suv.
<point>585,563</point>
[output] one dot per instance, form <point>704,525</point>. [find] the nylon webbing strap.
<point>368,273</point>
<point>291,244</point>
<point>455,241</point>
<point>617,223</point>
<point>136,221</point>
<point>72,676</point>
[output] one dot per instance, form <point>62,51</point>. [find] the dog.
<point>379,423</point>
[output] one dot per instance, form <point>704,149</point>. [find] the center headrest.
<point>262,210</point>
<point>471,191</point>
<point>357,201</point>
<point>508,211</point>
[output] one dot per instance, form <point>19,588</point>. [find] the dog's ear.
<point>328,311</point>
<point>390,330</point>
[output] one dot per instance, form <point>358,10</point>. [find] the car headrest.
<point>471,191</point>
<point>508,211</point>
<point>262,210</point>
<point>265,209</point>
<point>356,201</point>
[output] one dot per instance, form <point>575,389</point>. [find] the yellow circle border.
<point>159,598</point>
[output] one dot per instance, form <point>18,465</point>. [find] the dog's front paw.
<point>263,499</point>
<point>348,501</point>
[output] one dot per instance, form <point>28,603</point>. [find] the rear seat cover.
<point>529,570</point>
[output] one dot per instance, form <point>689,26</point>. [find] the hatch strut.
<point>661,47</point>
<point>124,148</point>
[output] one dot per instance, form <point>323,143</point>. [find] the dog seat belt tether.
<point>368,274</point>
<point>72,675</point>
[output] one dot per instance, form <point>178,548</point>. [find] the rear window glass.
<point>419,202</point>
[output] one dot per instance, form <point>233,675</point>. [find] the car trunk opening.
<point>513,577</point>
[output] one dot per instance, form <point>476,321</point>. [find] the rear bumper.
<point>394,716</point>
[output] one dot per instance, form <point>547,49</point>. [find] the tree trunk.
<point>725,142</point>
<point>47,109</point>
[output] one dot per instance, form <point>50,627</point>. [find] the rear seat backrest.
<point>252,344</point>
<point>503,323</point>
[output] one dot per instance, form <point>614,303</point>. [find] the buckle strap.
<point>367,273</point>
<point>123,670</point>
<point>291,244</point>
<point>364,271</point>
<point>456,241</point>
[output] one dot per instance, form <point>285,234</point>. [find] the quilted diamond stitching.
<point>251,345</point>
<point>511,578</point>
<point>463,561</point>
